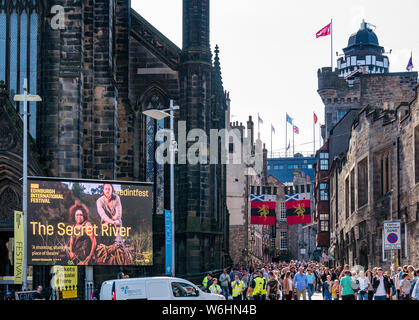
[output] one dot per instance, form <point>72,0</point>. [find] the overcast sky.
<point>270,56</point>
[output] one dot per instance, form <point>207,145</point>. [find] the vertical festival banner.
<point>18,247</point>
<point>89,222</point>
<point>168,240</point>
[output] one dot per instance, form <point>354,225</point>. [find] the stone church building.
<point>96,75</point>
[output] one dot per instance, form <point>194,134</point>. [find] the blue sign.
<point>169,240</point>
<point>392,238</point>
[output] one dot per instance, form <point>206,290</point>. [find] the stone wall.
<point>379,134</point>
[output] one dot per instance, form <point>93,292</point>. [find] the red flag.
<point>324,31</point>
<point>315,117</point>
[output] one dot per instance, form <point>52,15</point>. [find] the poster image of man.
<point>82,241</point>
<point>112,250</point>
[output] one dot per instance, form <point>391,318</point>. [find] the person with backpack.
<point>346,291</point>
<point>272,287</point>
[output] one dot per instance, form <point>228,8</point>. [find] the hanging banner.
<point>262,209</point>
<point>298,208</point>
<point>89,222</point>
<point>169,240</point>
<point>18,247</point>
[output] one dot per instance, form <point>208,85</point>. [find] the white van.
<point>154,288</point>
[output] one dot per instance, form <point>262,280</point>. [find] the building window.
<point>347,198</point>
<point>283,212</point>
<point>281,167</point>
<point>324,161</point>
<point>283,241</point>
<point>309,166</point>
<point>231,150</point>
<point>324,222</point>
<point>302,189</point>
<point>342,113</point>
<point>382,173</point>
<point>417,154</point>
<point>18,52</point>
<point>308,188</point>
<point>269,167</point>
<point>324,192</point>
<point>352,190</point>
<point>362,182</point>
<point>276,167</point>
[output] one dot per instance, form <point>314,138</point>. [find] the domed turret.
<point>363,53</point>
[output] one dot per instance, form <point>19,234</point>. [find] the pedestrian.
<point>272,287</point>
<point>415,291</point>
<point>405,287</point>
<point>287,285</point>
<point>414,281</point>
<point>264,284</point>
<point>392,287</point>
<point>38,295</point>
<point>311,283</point>
<point>328,288</point>
<point>205,281</point>
<point>397,281</point>
<point>300,284</point>
<point>370,278</point>
<point>256,287</point>
<point>237,288</point>
<point>381,286</point>
<point>363,286</point>
<point>335,290</point>
<point>246,281</point>
<point>225,283</point>
<point>346,291</point>
<point>355,284</point>
<point>214,288</point>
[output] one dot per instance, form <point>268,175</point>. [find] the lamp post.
<point>25,97</point>
<point>158,115</point>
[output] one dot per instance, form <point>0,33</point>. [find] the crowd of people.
<point>301,280</point>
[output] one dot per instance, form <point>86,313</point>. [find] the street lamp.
<point>158,115</point>
<point>25,97</point>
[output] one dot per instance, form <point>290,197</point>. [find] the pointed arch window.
<point>18,50</point>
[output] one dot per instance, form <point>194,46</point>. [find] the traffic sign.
<point>391,239</point>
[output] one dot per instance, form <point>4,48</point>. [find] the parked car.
<point>153,288</point>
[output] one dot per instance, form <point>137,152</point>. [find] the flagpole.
<point>331,43</point>
<point>286,127</point>
<point>314,136</point>
<point>271,139</point>
<point>293,133</point>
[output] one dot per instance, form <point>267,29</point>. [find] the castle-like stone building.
<point>371,120</point>
<point>96,73</point>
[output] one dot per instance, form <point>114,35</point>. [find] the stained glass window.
<point>33,71</point>
<point>3,36</point>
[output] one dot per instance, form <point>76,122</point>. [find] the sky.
<point>269,54</point>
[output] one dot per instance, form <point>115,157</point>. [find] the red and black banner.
<point>298,211</point>
<point>262,212</point>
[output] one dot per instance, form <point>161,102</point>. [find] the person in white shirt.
<point>364,283</point>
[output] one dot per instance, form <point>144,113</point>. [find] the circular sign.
<point>392,238</point>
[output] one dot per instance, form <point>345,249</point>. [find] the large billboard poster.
<point>89,222</point>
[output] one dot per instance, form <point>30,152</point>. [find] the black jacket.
<point>376,283</point>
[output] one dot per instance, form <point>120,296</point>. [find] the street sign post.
<point>392,235</point>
